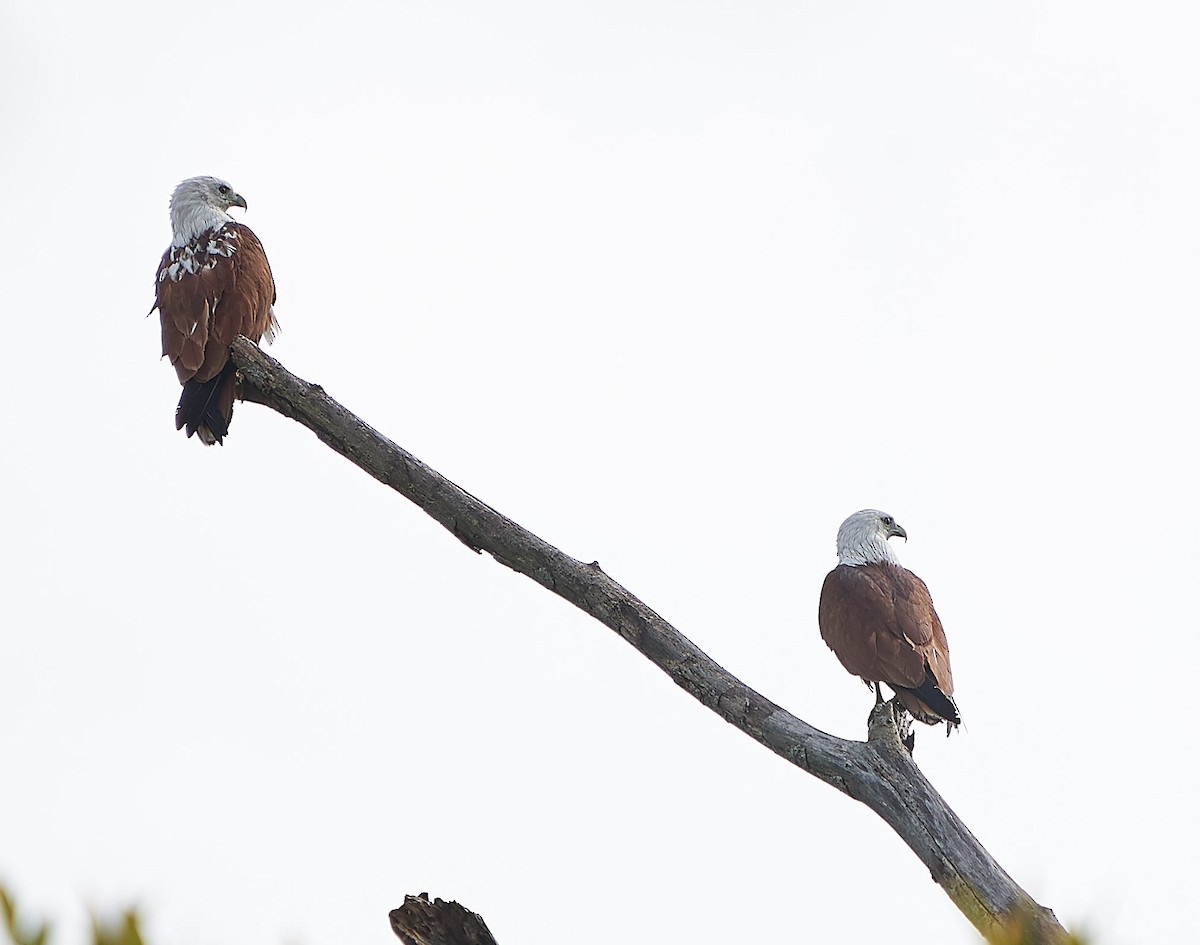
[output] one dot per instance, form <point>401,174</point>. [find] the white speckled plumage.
<point>213,283</point>
<point>199,204</point>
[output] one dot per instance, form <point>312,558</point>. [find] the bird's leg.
<point>878,695</point>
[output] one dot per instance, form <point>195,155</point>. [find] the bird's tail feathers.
<point>929,704</point>
<point>206,407</point>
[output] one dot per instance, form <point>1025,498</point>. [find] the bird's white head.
<point>199,204</point>
<point>863,538</point>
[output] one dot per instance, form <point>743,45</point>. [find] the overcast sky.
<point>678,286</point>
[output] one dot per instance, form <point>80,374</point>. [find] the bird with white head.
<point>213,284</point>
<point>879,620</point>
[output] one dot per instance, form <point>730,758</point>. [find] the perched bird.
<point>878,619</point>
<point>214,283</point>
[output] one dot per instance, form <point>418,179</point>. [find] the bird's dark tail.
<point>206,407</point>
<point>929,704</point>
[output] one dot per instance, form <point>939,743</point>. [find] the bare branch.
<point>878,772</point>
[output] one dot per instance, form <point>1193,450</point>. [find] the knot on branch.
<point>889,728</point>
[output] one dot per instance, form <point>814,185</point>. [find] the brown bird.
<point>878,619</point>
<point>214,283</point>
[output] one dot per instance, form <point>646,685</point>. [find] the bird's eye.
<point>223,189</point>
<point>887,520</point>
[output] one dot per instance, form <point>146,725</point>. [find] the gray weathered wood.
<point>878,772</point>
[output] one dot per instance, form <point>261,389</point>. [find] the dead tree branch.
<point>421,922</point>
<point>878,772</point>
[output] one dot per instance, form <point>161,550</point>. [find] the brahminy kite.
<point>878,619</point>
<point>214,283</point>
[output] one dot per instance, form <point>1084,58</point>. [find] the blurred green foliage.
<point>20,931</point>
<point>1022,928</point>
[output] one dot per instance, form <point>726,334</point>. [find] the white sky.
<point>678,286</point>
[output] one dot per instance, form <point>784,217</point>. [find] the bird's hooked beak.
<point>238,201</point>
<point>896,530</point>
